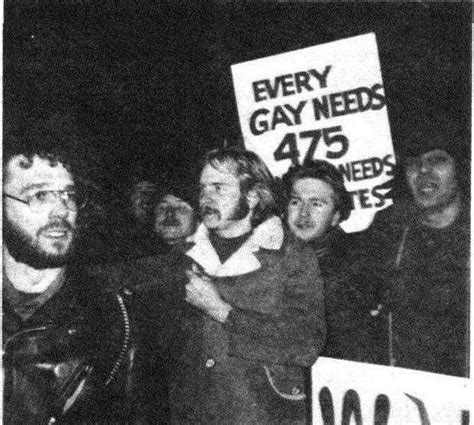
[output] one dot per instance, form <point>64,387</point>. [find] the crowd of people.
<point>223,299</point>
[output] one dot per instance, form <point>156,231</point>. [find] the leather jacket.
<point>79,359</point>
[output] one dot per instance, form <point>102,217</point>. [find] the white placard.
<point>322,102</point>
<point>359,391</point>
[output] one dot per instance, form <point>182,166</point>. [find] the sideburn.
<point>241,210</point>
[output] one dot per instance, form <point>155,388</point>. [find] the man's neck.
<point>27,279</point>
<point>225,247</point>
<point>238,228</point>
<point>441,218</point>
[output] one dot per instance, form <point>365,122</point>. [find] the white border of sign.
<point>277,100</point>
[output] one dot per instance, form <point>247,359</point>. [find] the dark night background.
<point>149,82</point>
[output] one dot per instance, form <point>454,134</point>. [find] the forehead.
<point>173,201</point>
<point>21,174</point>
<point>224,173</point>
<point>431,154</point>
<point>312,188</point>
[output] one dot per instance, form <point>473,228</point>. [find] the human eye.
<point>438,159</point>
<point>40,196</point>
<point>317,203</point>
<point>294,202</point>
<point>70,196</point>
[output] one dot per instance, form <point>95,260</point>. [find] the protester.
<point>142,201</point>
<point>254,321</point>
<point>317,202</point>
<point>418,250</point>
<point>71,353</point>
<point>130,234</point>
<point>175,215</point>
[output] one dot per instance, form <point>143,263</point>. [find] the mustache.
<point>57,225</point>
<point>206,209</point>
<point>170,221</point>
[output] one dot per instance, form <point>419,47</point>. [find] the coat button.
<point>295,391</point>
<point>210,363</point>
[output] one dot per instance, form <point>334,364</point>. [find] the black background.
<point>149,82</point>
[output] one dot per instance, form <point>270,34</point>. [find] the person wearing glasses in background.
<point>67,342</point>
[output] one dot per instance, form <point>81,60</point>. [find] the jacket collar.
<point>268,235</point>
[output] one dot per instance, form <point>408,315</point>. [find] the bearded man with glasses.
<point>68,343</point>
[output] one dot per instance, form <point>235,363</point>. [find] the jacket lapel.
<point>268,235</point>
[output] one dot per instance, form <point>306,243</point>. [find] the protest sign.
<point>322,102</point>
<point>346,392</point>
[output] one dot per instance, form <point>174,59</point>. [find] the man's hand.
<point>201,293</point>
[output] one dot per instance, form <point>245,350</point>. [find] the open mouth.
<point>427,187</point>
<point>304,226</point>
<point>56,233</point>
<point>208,211</point>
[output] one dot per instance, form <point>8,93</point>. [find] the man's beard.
<point>240,211</point>
<point>24,249</point>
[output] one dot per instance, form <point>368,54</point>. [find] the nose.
<point>424,165</point>
<point>304,210</point>
<point>169,213</point>
<point>59,207</point>
<point>205,194</point>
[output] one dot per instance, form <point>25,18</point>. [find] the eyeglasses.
<point>43,199</point>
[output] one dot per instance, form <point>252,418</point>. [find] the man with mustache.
<point>316,202</point>
<point>175,215</point>
<point>418,253</point>
<point>254,321</point>
<point>67,342</point>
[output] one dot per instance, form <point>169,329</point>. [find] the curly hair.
<point>252,173</point>
<point>326,172</point>
<point>58,140</point>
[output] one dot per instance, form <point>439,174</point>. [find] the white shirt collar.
<point>268,235</point>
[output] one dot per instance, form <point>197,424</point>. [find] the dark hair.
<point>328,173</point>
<point>425,130</point>
<point>252,173</point>
<point>57,139</point>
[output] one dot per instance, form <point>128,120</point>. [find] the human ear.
<point>252,199</point>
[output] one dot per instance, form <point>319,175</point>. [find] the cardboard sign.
<point>345,392</point>
<point>323,102</point>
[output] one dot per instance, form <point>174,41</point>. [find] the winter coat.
<point>79,359</point>
<point>350,301</point>
<point>252,369</point>
<point>422,276</point>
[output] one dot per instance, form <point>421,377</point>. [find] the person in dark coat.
<point>316,203</point>
<point>253,319</point>
<point>71,350</point>
<point>418,253</point>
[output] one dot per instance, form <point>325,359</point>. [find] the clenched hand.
<point>201,293</point>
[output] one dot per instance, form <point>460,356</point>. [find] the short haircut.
<point>252,173</point>
<point>326,172</point>
<point>58,140</point>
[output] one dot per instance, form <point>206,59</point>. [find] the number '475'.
<point>288,149</point>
